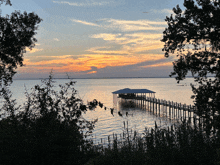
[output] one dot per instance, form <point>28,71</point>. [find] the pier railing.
<point>169,109</point>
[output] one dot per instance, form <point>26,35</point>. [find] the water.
<point>101,89</point>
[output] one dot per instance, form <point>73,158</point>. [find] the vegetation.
<point>177,145</point>
<point>48,130</point>
<point>49,127</point>
<point>193,34</point>
<point>17,32</point>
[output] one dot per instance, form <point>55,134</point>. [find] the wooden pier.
<point>159,107</point>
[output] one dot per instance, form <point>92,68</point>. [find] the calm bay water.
<point>101,89</point>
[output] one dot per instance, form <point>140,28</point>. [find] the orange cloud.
<point>86,62</point>
<point>158,65</point>
<point>92,72</point>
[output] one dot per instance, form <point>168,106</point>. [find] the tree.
<point>16,33</point>
<point>193,35</point>
<point>48,129</point>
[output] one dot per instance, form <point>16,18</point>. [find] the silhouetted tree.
<point>48,129</point>
<point>16,33</point>
<point>193,35</point>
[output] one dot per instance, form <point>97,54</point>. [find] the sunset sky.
<point>97,38</point>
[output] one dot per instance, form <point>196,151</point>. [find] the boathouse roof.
<point>128,90</point>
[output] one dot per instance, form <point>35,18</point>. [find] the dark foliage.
<point>16,33</point>
<point>48,129</point>
<point>177,145</point>
<point>193,34</point>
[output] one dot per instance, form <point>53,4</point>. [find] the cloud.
<point>40,58</point>
<point>84,22</point>
<point>136,25</point>
<point>86,62</point>
<point>136,22</point>
<point>126,48</point>
<point>107,51</point>
<point>92,72</point>
<point>33,50</point>
<point>140,38</point>
<point>129,43</point>
<point>56,39</point>
<point>126,25</point>
<point>158,65</point>
<point>167,11</point>
<point>109,37</point>
<point>92,3</point>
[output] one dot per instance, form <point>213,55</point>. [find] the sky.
<point>97,38</point>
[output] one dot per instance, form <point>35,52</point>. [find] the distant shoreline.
<point>99,78</point>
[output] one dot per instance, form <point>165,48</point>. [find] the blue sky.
<point>97,38</point>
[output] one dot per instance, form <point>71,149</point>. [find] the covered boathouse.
<point>128,93</point>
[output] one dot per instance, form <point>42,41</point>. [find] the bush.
<point>48,129</point>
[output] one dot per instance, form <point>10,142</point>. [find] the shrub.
<point>48,129</point>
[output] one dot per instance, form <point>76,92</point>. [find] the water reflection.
<point>101,89</point>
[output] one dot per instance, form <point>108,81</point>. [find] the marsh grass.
<point>178,144</point>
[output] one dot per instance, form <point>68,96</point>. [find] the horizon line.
<point>99,78</point>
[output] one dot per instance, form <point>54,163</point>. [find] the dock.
<point>159,107</point>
